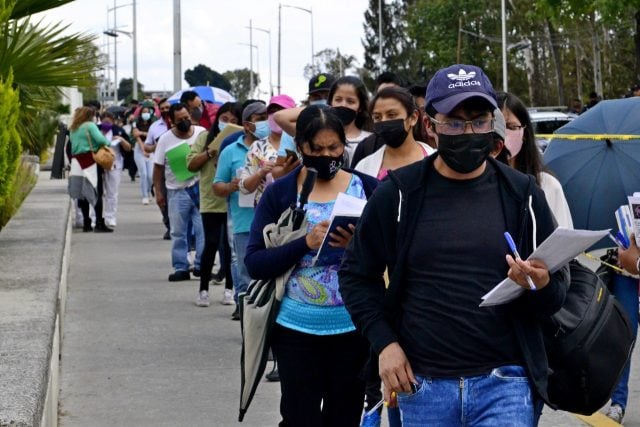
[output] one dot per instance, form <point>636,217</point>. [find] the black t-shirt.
<point>457,255</point>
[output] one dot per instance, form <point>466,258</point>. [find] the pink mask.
<point>273,126</point>
<point>513,141</point>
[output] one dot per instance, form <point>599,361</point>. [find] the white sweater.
<point>373,162</point>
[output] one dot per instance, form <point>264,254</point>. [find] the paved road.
<point>138,352</point>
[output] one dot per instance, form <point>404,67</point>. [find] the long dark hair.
<point>312,120</point>
<point>404,97</point>
<point>363,120</point>
<point>235,109</point>
<point>528,160</point>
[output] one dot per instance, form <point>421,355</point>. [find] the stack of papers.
<point>634,217</point>
<point>559,248</point>
<point>346,210</point>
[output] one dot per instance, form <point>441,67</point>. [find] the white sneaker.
<point>616,413</point>
<point>203,299</point>
<point>227,298</point>
<point>145,200</point>
<point>110,223</point>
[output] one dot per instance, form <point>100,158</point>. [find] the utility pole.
<point>251,84</point>
<point>505,78</point>
<point>135,54</point>
<point>177,47</point>
<point>279,41</point>
<point>379,36</point>
<point>115,55</point>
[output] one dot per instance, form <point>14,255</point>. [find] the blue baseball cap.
<point>452,85</point>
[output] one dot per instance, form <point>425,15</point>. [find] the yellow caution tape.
<point>588,136</point>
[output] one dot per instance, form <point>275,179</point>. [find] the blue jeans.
<point>500,398</point>
<point>183,209</point>
<point>145,169</point>
<point>625,289</point>
<point>240,241</point>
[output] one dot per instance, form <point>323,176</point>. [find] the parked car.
<point>545,122</point>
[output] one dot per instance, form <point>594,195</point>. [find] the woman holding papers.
<point>203,158</point>
<point>319,353</point>
<point>525,156</point>
<point>394,116</point>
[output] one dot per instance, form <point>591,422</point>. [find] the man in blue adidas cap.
<point>438,226</point>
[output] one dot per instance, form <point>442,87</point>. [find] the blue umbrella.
<point>211,94</point>
<point>596,158</point>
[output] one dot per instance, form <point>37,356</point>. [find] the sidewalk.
<point>138,352</point>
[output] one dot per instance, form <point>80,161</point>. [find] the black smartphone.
<point>291,153</point>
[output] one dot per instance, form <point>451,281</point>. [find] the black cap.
<point>320,82</point>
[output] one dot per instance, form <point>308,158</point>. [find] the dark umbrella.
<point>596,158</point>
<point>116,110</point>
<point>259,306</point>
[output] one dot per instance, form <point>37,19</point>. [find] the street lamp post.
<point>177,47</point>
<point>251,47</point>
<point>270,74</point>
<point>310,12</point>
<point>113,32</point>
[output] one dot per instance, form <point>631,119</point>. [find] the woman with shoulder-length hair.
<point>319,352</point>
<point>523,155</point>
<point>85,178</point>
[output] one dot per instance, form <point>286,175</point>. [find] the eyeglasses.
<point>515,127</point>
<point>457,127</point>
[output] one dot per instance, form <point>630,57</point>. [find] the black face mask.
<point>345,115</point>
<point>196,114</point>
<point>466,152</point>
<point>184,125</point>
<point>392,132</point>
<point>327,166</point>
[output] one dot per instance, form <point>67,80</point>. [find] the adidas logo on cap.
<point>463,79</point>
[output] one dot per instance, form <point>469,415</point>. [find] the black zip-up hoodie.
<point>382,239</point>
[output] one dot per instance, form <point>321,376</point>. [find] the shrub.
<point>10,146</point>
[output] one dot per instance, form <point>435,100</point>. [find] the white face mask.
<point>513,141</point>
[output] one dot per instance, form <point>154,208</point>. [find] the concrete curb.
<point>34,253</point>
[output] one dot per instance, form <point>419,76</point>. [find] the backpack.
<point>588,342</point>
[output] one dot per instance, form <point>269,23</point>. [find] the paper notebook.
<point>346,210</point>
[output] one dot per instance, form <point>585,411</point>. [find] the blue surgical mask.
<point>262,129</point>
<point>146,116</point>
<point>318,102</point>
<point>221,125</point>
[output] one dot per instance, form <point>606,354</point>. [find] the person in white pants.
<point>119,142</point>
<point>143,160</point>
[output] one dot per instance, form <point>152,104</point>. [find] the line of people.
<point>446,169</point>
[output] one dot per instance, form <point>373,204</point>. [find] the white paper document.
<point>245,200</point>
<point>559,248</point>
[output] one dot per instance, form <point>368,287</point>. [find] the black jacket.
<point>382,239</point>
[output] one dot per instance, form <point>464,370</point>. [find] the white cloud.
<point>212,31</point>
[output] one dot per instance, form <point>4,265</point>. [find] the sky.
<point>212,33</point>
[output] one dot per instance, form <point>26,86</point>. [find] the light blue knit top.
<point>312,303</point>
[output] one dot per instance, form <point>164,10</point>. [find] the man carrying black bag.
<point>438,226</point>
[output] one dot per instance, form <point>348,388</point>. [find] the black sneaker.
<point>196,273</point>
<point>102,228</point>
<point>179,276</point>
<point>273,376</point>
<point>167,235</point>
<point>236,313</point>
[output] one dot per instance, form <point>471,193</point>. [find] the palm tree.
<point>43,59</point>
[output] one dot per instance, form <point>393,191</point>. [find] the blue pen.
<point>623,239</point>
<point>512,246</point>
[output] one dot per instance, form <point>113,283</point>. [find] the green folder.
<point>177,157</point>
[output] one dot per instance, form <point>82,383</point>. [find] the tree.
<point>332,62</point>
<point>42,59</point>
<point>201,75</point>
<point>399,51</point>
<point>125,89</point>
<point>240,82</point>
